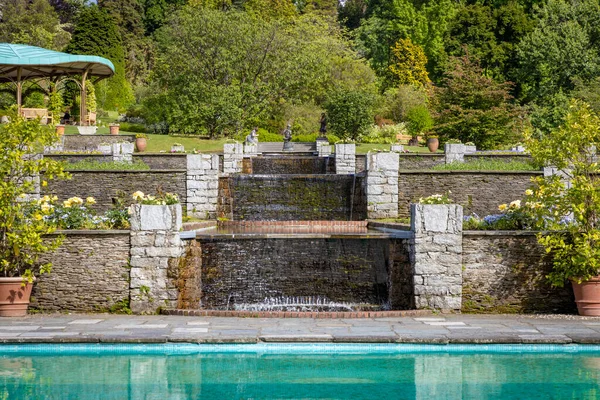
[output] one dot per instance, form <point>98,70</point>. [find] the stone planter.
<point>114,129</point>
<point>397,148</point>
<point>177,149</point>
<point>470,149</point>
<point>587,296</point>
<point>105,149</point>
<point>149,217</point>
<point>14,297</point>
<point>87,130</point>
<point>433,144</point>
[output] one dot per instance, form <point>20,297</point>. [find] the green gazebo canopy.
<point>20,63</point>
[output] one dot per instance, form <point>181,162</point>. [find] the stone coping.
<point>297,314</point>
<point>144,154</point>
<point>428,328</point>
<point>362,224</point>
<point>497,155</point>
<point>466,172</point>
<point>208,235</point>
<point>440,155</point>
<point>388,225</point>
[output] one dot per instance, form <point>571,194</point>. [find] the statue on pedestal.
<point>287,139</point>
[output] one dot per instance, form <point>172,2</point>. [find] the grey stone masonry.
<point>563,174</point>
<point>233,155</point>
<point>323,148</point>
<point>155,247</point>
<point>202,185</point>
<point>345,159</point>
<point>123,152</point>
<point>455,152</point>
<point>251,150</point>
<point>436,256</point>
<point>398,148</point>
<point>382,185</point>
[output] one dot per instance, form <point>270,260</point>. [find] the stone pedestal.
<point>288,146</point>
<point>323,147</point>
<point>455,152</point>
<point>123,152</point>
<point>345,159</point>
<point>233,154</point>
<point>436,256</point>
<point>202,185</point>
<point>382,185</point>
<point>155,248</point>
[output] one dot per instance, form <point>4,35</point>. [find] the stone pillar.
<point>436,255</point>
<point>34,179</point>
<point>382,185</point>
<point>454,152</point>
<point>155,249</point>
<point>397,148</point>
<point>202,183</point>
<point>564,175</point>
<point>323,148</point>
<point>345,159</point>
<point>233,154</point>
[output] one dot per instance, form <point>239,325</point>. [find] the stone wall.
<point>104,185</point>
<point>90,273</point>
<point>91,142</point>
<point>296,197</point>
<point>420,161</point>
<point>75,158</point>
<point>504,272</point>
<point>236,272</point>
<point>478,192</point>
<point>290,165</point>
<point>345,159</point>
<point>202,185</point>
<point>507,158</point>
<point>162,161</point>
<point>382,185</point>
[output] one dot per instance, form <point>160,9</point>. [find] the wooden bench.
<point>90,119</point>
<point>33,113</point>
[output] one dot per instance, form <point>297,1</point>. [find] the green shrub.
<point>130,127</point>
<point>418,120</point>
<point>385,135</point>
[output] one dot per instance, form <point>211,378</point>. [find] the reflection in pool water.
<point>318,375</point>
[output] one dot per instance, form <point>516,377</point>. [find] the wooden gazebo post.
<point>19,89</point>
<point>82,96</point>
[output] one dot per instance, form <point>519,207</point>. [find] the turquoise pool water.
<point>299,371</point>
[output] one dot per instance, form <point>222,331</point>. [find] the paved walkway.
<point>64,328</point>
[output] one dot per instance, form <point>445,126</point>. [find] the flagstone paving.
<point>451,328</point>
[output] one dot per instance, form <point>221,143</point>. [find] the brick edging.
<point>299,314</point>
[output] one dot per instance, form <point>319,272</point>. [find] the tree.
<point>351,12</point>
<point>223,71</point>
<point>67,10</point>
<point>31,22</point>
<point>408,64</point>
<point>271,9</point>
<point>350,112</point>
<point>562,47</point>
<point>474,108</point>
<point>127,16</point>
<point>96,34</point>
<point>22,226</point>
<point>570,212</point>
<point>156,12</point>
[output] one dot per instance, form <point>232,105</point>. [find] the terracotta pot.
<point>14,298</point>
<point>114,129</point>
<point>140,144</point>
<point>433,144</point>
<point>60,130</point>
<point>587,296</point>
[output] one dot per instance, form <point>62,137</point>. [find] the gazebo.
<point>20,63</point>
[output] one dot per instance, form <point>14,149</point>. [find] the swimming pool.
<point>307,371</point>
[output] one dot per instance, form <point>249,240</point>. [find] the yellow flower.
<point>54,198</point>
<point>38,217</point>
<point>76,200</point>
<point>46,199</point>
<point>502,207</point>
<point>67,203</point>
<point>46,207</point>
<point>90,200</point>
<point>515,204</point>
<point>528,192</point>
<point>138,195</point>
<point>44,183</point>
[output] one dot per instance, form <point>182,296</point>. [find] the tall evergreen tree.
<point>96,34</point>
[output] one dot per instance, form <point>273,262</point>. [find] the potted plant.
<point>22,220</point>
<point>569,203</point>
<point>114,128</point>
<point>140,142</point>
